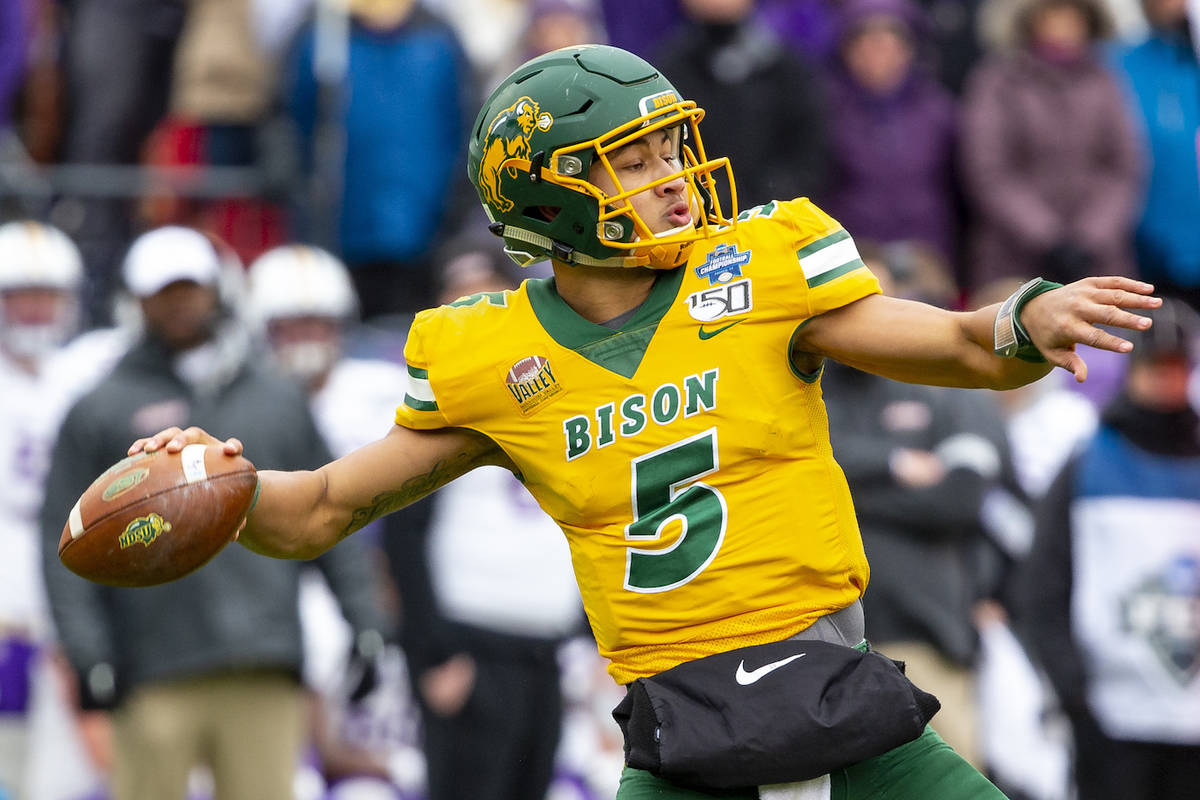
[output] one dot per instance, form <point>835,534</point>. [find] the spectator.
<point>809,26</point>
<point>954,29</point>
<point>739,69</point>
<point>1050,159</point>
<point>892,131</point>
<point>223,87</point>
<point>919,461</point>
<point>399,110</point>
<point>549,25</point>
<point>479,645</point>
<point>203,669</point>
<point>1113,581</point>
<point>641,26</point>
<point>118,63</point>
<point>1162,75</point>
<point>488,29</point>
<point>40,275</point>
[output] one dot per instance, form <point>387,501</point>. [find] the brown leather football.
<point>155,517</point>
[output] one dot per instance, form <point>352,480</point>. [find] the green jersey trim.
<point>620,351</point>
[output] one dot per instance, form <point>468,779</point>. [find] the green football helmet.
<point>544,128</point>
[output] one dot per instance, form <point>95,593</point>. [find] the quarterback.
<point>660,396</point>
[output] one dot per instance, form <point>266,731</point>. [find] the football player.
<point>40,276</point>
<point>660,396</point>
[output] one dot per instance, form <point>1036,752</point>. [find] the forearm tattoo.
<point>413,489</point>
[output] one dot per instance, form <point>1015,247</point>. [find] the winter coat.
<point>1162,75</point>
<point>402,108</point>
<point>892,164</point>
<point>1049,155</point>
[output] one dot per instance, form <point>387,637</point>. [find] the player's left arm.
<point>918,343</point>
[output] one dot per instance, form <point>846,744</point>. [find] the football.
<point>155,517</point>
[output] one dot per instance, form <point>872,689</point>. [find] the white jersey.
<point>498,561</point>
<point>357,404</point>
<point>31,409</point>
<point>25,440</point>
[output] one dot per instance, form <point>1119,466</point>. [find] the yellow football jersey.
<point>684,457</point>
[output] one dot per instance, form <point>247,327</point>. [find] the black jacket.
<point>923,544</point>
<point>240,610</point>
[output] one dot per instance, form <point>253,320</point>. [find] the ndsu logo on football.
<point>508,138</point>
<point>532,383</point>
<point>143,529</point>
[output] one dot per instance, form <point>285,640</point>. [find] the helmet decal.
<point>508,137</point>
<point>648,105</point>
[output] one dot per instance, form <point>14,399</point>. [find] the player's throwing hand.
<point>174,439</point>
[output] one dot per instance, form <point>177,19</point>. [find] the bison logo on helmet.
<point>507,138</point>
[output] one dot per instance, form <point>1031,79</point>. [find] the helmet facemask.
<point>619,225</point>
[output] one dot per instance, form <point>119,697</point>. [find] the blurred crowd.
<point>226,212</point>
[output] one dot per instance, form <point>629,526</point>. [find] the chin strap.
<point>652,254</point>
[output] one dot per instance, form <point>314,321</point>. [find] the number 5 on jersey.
<point>661,498</point>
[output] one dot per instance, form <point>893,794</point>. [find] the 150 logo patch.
<point>709,305</point>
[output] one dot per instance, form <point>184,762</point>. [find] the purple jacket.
<point>893,162</point>
<point>1049,153</point>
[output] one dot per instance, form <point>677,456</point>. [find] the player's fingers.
<point>233,447</point>
<point>1070,361</point>
<point>192,435</point>
<point>152,443</point>
<point>1103,340</point>
<point>1120,298</point>
<point>1131,285</point>
<point>1113,316</point>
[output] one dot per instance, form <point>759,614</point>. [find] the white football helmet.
<point>38,256</point>
<point>300,282</point>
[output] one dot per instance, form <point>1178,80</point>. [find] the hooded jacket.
<point>892,155</point>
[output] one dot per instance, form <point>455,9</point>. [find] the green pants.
<point>924,769</point>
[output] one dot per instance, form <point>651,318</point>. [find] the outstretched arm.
<point>303,514</point>
<point>918,343</point>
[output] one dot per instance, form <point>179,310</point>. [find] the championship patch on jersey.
<point>532,384</point>
<point>828,258</point>
<point>723,263</point>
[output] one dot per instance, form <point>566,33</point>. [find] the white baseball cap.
<point>166,255</point>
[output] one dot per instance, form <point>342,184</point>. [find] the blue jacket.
<point>1163,78</point>
<point>403,109</point>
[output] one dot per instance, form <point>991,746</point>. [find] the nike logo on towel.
<point>745,678</point>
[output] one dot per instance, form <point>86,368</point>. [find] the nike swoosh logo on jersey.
<point>745,678</point>
<point>709,334</point>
